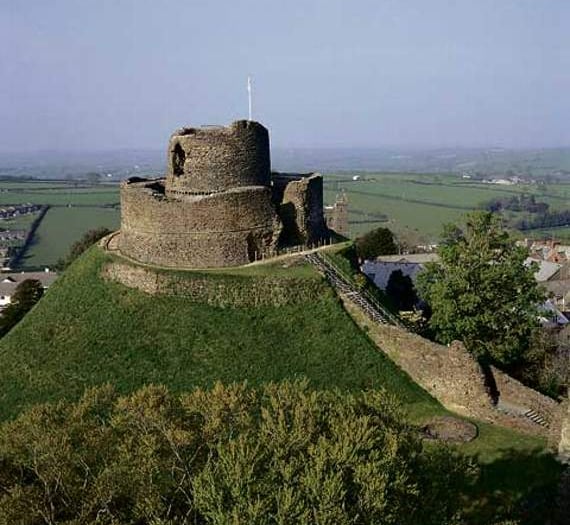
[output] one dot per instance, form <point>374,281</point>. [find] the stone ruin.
<point>219,204</point>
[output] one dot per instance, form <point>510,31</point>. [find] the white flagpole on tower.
<point>249,97</point>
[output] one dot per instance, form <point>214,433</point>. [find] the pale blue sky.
<point>98,74</point>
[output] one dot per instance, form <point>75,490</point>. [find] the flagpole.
<point>249,97</point>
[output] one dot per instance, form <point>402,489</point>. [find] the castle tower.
<point>337,215</point>
<point>214,207</point>
<point>216,159</point>
<point>219,204</point>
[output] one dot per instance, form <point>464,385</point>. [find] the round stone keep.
<point>214,159</point>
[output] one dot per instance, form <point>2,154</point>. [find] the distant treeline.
<point>541,216</point>
<point>521,203</point>
<point>552,219</point>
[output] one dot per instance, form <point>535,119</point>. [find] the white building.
<point>10,281</point>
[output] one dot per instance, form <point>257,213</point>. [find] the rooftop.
<point>410,258</point>
<point>10,281</point>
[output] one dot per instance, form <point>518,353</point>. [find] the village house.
<point>380,268</point>
<point>10,281</point>
<point>555,278</point>
<point>10,212</point>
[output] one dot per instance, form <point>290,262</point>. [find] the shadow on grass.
<point>520,485</point>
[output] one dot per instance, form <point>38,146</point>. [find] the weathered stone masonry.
<point>219,204</point>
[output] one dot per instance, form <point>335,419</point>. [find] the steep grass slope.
<point>87,331</point>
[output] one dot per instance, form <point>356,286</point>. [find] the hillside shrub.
<point>282,454</point>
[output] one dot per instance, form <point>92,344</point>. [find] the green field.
<point>74,209</point>
<point>421,203</point>
<point>19,223</point>
<point>63,226</point>
<point>63,197</point>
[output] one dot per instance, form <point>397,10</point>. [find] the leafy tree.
<point>279,455</point>
<point>26,295</point>
<point>376,242</point>
<point>400,289</point>
<point>77,248</point>
<point>481,292</point>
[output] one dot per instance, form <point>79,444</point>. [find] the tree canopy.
<point>379,241</point>
<point>481,292</point>
<point>26,295</point>
<point>282,454</point>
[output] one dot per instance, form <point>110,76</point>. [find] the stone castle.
<point>219,204</point>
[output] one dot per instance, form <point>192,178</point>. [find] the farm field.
<point>74,209</point>
<point>64,196</point>
<point>422,203</point>
<point>19,223</point>
<point>60,228</point>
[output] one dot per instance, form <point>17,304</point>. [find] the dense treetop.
<point>376,242</point>
<point>282,454</point>
<point>482,292</point>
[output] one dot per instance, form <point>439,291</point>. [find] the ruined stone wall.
<point>456,380</point>
<point>336,216</point>
<point>204,160</point>
<point>516,395</point>
<point>218,290</point>
<point>299,200</point>
<point>222,229</point>
<point>448,373</point>
<point>218,205</point>
<point>564,444</point>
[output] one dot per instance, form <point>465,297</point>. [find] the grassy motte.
<point>87,331</point>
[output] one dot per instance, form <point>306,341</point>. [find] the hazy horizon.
<point>328,74</point>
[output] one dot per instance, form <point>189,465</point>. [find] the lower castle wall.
<point>223,291</point>
<point>456,380</point>
<point>223,229</point>
<point>448,373</point>
<point>516,394</point>
<point>564,445</point>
